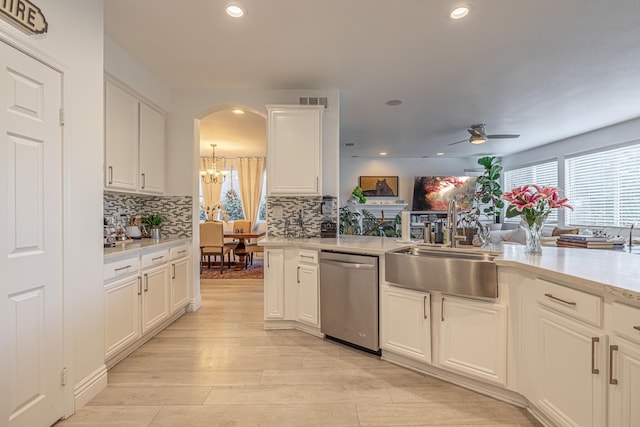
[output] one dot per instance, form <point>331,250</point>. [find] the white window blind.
<point>604,187</point>
<point>541,174</point>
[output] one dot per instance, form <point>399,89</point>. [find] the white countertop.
<point>142,245</point>
<point>609,271</point>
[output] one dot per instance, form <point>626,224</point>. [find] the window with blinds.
<point>540,174</point>
<point>604,187</point>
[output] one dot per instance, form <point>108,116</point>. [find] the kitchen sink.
<point>452,271</point>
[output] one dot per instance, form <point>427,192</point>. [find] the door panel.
<point>31,339</point>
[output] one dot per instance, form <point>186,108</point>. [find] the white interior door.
<point>31,333</point>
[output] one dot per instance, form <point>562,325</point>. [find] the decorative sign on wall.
<point>25,14</point>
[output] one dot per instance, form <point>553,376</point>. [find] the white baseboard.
<point>195,304</point>
<point>90,386</point>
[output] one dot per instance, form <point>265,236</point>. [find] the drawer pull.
<point>123,268</point>
<point>571,303</point>
<point>424,306</point>
<point>307,256</point>
<point>594,340</point>
<point>612,380</point>
<point>298,274</point>
<point>157,258</point>
<point>637,327</point>
<point>181,252</point>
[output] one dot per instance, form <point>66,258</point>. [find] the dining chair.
<point>212,243</point>
<point>241,224</point>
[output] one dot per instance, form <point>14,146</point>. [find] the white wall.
<point>75,43</point>
<point>405,168</point>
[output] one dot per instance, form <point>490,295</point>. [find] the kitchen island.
<point>561,339</point>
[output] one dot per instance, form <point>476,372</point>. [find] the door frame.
<point>28,48</point>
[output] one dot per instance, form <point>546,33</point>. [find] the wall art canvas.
<point>432,193</point>
<point>379,186</point>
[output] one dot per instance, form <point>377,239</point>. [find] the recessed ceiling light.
<point>459,12</point>
<point>393,102</point>
<point>440,154</point>
<point>237,111</point>
<point>383,153</point>
<point>235,10</point>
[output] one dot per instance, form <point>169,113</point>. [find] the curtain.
<point>211,192</point>
<point>250,173</point>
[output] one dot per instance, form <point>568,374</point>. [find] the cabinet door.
<point>473,338</point>
<point>122,314</point>
<point>152,147</point>
<point>155,296</point>
<point>308,294</point>
<point>406,323</point>
<point>294,140</point>
<point>624,380</point>
<point>179,284</point>
<point>570,374</point>
<point>121,139</point>
<point>274,284</point>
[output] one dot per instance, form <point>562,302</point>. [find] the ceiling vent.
<point>314,100</point>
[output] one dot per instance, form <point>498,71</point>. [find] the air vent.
<point>314,100</point>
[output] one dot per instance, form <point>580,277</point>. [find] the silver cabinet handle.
<point>348,264</point>
<point>144,181</point>
<point>317,183</point>
<point>298,274</point>
<point>306,256</point>
<point>173,275</point>
<point>571,303</point>
<point>181,252</point>
<point>139,285</point>
<point>268,259</point>
<point>612,380</point>
<point>594,340</point>
<point>442,311</point>
<point>157,258</point>
<point>424,306</point>
<point>636,327</point>
<point>110,175</point>
<point>123,268</point>
<point>146,282</point>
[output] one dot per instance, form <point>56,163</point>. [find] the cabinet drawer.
<point>155,258</point>
<point>179,251</point>
<point>308,256</point>
<point>626,321</point>
<point>577,304</point>
<point>121,268</point>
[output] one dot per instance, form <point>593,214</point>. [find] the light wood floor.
<point>218,367</point>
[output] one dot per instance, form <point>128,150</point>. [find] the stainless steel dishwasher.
<point>349,298</point>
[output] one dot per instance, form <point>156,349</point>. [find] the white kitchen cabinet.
<point>134,143</point>
<point>307,280</point>
<point>274,284</point>
<point>294,150</point>
<point>152,139</point>
<point>155,296</point>
<point>122,314</point>
<point>568,363</point>
<point>406,322</point>
<point>121,139</point>
<point>179,283</point>
<point>473,338</point>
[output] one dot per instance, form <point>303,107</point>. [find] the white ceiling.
<point>546,69</point>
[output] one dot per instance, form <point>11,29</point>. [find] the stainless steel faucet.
<point>452,218</point>
<point>303,230</point>
<point>631,235</point>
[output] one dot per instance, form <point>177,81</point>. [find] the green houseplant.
<point>154,221</point>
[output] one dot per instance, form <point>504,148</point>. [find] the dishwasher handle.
<point>348,264</point>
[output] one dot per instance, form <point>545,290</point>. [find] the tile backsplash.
<point>290,207</point>
<point>177,210</point>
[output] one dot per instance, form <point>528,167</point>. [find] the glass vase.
<point>533,228</point>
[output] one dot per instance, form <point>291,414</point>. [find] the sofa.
<point>511,233</point>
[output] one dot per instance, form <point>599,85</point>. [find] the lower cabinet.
<point>155,296</point>
<point>308,307</point>
<point>473,338</point>
<point>274,284</point>
<point>570,379</point>
<point>179,284</point>
<point>122,314</point>
<point>624,383</point>
<point>406,322</point>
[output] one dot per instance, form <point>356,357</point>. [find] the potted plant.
<point>154,222</point>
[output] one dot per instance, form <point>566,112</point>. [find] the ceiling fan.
<point>479,135</point>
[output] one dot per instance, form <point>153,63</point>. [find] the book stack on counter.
<point>587,241</point>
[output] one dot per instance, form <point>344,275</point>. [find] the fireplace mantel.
<point>390,209</point>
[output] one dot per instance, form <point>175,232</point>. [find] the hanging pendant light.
<point>212,175</point>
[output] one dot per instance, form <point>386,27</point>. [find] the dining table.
<point>240,249</point>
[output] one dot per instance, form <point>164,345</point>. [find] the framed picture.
<point>379,186</point>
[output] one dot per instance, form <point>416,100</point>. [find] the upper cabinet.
<point>294,150</point>
<point>134,143</point>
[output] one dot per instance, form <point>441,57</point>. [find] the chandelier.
<point>213,175</point>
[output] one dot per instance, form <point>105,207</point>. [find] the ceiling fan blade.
<point>503,136</point>
<point>459,142</point>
